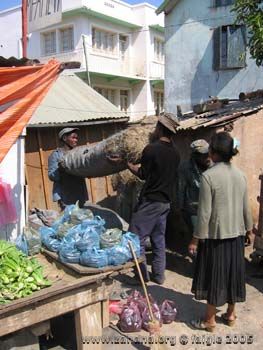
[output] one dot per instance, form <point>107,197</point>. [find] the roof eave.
<point>80,123</point>
<point>87,11</point>
<point>166,6</point>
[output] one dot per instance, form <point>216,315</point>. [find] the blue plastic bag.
<point>110,238</point>
<point>69,254</point>
<point>90,239</point>
<point>97,223</point>
<point>21,243</point>
<point>134,239</point>
<point>67,212</point>
<point>74,235</point>
<point>49,239</point>
<point>118,255</point>
<point>46,231</point>
<point>94,258</point>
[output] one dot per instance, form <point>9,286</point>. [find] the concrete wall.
<point>11,33</point>
<point>12,172</point>
<point>189,74</point>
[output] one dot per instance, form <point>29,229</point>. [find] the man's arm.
<point>53,167</point>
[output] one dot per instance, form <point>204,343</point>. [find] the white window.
<point>49,43</point>
<point>158,101</point>
<point>124,100</point>
<point>123,45</point>
<point>158,49</point>
<point>109,94</point>
<point>103,41</point>
<point>66,39</point>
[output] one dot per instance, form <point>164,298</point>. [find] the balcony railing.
<point>113,65</point>
<point>103,63</point>
<point>157,70</point>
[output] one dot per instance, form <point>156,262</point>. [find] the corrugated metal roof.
<point>72,100</point>
<point>220,116</point>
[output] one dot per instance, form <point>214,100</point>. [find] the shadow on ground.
<point>254,275</point>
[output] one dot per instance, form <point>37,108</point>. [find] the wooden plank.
<point>53,307</point>
<point>49,142</point>
<point>40,328</point>
<point>88,323</point>
<point>33,170</point>
<point>105,309</point>
<point>85,270</point>
<point>46,197</point>
<point>50,292</point>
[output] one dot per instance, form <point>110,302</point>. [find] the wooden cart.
<point>86,296</point>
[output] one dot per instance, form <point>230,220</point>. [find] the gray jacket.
<point>223,210</point>
<point>66,187</point>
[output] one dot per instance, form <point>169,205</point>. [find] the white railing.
<point>77,56</point>
<point>157,70</point>
<point>114,65</point>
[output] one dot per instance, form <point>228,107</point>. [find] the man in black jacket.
<point>158,168</point>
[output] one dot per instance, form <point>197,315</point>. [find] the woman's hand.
<point>248,238</point>
<point>192,248</point>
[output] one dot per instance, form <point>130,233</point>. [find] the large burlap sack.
<point>93,161</point>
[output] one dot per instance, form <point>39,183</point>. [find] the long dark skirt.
<point>219,274</point>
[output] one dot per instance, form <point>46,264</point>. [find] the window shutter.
<point>236,47</point>
<point>219,3</point>
<point>216,42</point>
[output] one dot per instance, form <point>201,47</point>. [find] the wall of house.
<point>11,33</point>
<point>189,74</point>
<point>12,171</point>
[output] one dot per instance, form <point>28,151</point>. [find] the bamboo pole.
<point>142,280</point>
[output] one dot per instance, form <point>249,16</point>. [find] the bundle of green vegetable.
<point>20,276</point>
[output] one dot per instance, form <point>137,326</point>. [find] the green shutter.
<point>219,3</point>
<point>216,43</point>
<point>236,50</point>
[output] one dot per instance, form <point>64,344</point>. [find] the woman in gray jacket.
<point>224,218</point>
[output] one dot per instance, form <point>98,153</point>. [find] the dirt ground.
<point>246,334</point>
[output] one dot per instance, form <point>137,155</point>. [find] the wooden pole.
<point>86,59</point>
<point>142,280</point>
<point>24,28</point>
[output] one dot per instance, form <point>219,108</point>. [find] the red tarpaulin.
<point>23,88</point>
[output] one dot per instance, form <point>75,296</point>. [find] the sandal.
<point>227,321</point>
<point>200,324</point>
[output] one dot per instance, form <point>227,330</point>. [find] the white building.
<point>124,45</point>
<point>206,53</point>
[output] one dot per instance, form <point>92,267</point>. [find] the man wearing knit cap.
<point>189,178</point>
<point>158,169</point>
<point>67,189</point>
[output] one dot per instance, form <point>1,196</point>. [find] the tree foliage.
<point>250,13</point>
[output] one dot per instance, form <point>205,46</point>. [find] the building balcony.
<point>103,63</point>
